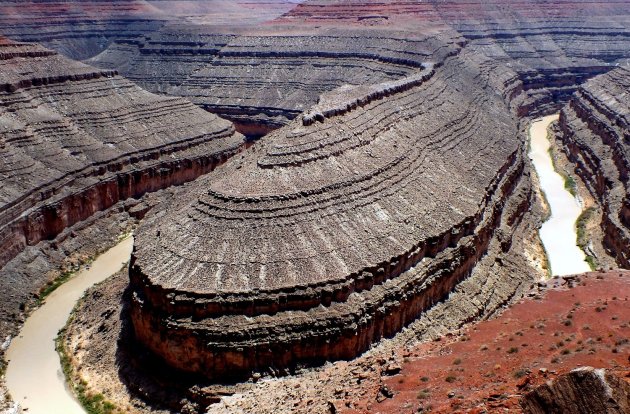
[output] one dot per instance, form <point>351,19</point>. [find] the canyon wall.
<point>582,391</point>
<point>261,81</point>
<point>262,77</point>
<point>552,45</point>
<point>595,133</point>
<point>78,29</point>
<point>76,140</point>
<point>327,236</point>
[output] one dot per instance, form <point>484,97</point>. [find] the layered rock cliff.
<point>595,133</point>
<point>553,45</point>
<point>261,81</point>
<point>261,78</point>
<point>582,391</point>
<point>328,236</point>
<point>78,29</point>
<point>76,140</point>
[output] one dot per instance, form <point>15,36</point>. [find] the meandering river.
<point>34,377</point>
<point>558,233</point>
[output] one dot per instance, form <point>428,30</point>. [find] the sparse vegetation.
<point>457,361</point>
<point>570,185</point>
<point>424,394</point>
<point>450,378</point>
<point>424,379</point>
<point>52,285</point>
<point>512,350</point>
<point>93,403</point>
<point>582,235</point>
<point>520,373</point>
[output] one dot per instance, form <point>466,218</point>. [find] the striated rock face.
<point>553,45</point>
<point>262,77</point>
<point>328,236</point>
<point>582,391</point>
<point>261,81</point>
<point>78,29</point>
<point>75,140</point>
<point>595,132</point>
<point>81,29</point>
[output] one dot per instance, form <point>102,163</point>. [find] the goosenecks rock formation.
<point>581,391</point>
<point>323,238</point>
<point>78,29</point>
<point>261,81</point>
<point>76,140</point>
<point>262,78</point>
<point>595,132</point>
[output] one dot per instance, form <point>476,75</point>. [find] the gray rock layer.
<point>326,237</point>
<point>595,132</point>
<point>582,391</point>
<point>74,140</point>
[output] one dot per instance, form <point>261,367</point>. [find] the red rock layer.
<point>490,366</point>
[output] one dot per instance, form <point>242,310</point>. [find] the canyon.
<point>388,198</point>
<point>77,141</point>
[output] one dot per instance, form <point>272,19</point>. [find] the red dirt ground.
<point>489,366</point>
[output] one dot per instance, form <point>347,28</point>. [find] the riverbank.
<point>32,354</point>
<point>558,233</point>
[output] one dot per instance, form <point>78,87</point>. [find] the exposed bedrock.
<point>595,132</point>
<point>324,238</point>
<point>584,390</point>
<point>553,45</point>
<point>78,29</point>
<point>75,140</point>
<point>261,81</point>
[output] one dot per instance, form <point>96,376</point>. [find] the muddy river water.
<point>558,233</point>
<point>34,377</point>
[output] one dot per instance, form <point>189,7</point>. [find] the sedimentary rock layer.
<point>582,391</point>
<point>326,237</point>
<point>553,45</point>
<point>261,81</point>
<point>595,132</point>
<point>78,29</point>
<point>75,140</point>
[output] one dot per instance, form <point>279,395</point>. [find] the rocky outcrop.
<point>582,391</point>
<point>595,133</point>
<point>75,140</point>
<point>347,98</point>
<point>326,237</point>
<point>553,45</point>
<point>261,81</point>
<point>78,29</point>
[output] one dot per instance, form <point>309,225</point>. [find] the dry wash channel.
<point>326,237</point>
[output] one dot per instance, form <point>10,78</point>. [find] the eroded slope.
<point>595,132</point>
<point>328,236</point>
<point>75,140</point>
